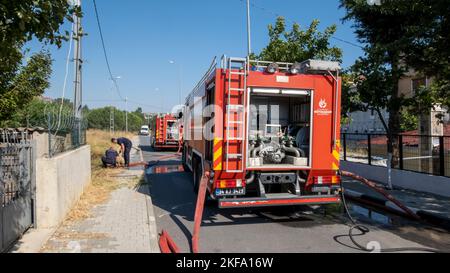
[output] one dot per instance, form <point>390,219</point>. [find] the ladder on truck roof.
<point>236,113</point>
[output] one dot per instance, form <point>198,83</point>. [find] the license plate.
<point>226,192</point>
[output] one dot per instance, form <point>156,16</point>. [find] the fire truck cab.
<point>268,133</point>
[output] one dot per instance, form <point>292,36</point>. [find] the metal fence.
<point>65,132</point>
<point>418,153</point>
<point>16,189</point>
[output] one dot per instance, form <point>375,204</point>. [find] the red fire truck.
<point>167,132</point>
<point>268,133</point>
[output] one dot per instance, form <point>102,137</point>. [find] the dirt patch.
<point>73,235</point>
<point>104,181</point>
<point>98,192</point>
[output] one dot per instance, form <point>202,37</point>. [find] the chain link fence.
<point>65,132</point>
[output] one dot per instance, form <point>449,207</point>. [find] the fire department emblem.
<point>323,110</point>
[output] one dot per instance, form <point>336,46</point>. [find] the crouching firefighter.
<point>109,160</point>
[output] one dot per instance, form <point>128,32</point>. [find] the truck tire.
<point>197,175</point>
<point>183,161</point>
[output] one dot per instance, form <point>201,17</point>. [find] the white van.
<point>145,130</point>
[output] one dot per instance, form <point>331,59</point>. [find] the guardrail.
<point>417,153</point>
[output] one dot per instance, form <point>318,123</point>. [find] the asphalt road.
<point>286,229</point>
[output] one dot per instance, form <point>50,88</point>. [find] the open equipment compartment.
<point>279,129</point>
<point>172,132</point>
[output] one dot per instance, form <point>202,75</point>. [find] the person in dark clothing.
<point>125,148</point>
<point>109,159</point>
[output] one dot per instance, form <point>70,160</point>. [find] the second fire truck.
<point>268,133</point>
<point>167,132</point>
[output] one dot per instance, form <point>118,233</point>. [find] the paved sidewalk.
<point>124,224</point>
<point>432,207</point>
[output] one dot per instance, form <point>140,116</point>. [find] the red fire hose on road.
<point>375,187</point>
<point>199,211</point>
<point>166,244</point>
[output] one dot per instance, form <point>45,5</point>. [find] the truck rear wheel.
<point>183,161</point>
<point>197,175</point>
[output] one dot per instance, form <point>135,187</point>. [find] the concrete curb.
<point>425,215</point>
<point>152,221</point>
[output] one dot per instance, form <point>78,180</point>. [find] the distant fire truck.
<point>268,133</point>
<point>167,132</point>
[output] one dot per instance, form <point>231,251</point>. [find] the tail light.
<point>227,184</point>
<point>332,179</point>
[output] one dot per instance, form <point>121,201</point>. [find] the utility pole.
<point>249,34</point>
<point>78,91</point>
<point>112,121</point>
<point>180,80</point>
<point>126,114</point>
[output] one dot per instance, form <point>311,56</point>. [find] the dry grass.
<point>98,192</point>
<point>100,141</point>
<point>73,235</point>
<point>104,181</point>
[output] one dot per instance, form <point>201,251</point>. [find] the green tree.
<point>22,21</point>
<point>100,119</point>
<point>298,45</point>
<point>30,81</point>
<point>400,35</point>
<point>428,39</point>
<point>382,29</point>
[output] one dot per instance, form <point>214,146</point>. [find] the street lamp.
<point>180,76</point>
<point>126,114</point>
<point>112,122</point>
<point>114,80</point>
<point>162,98</point>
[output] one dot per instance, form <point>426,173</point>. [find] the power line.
<point>66,74</point>
<point>104,51</point>
<point>347,42</point>
<point>293,22</point>
<point>146,105</point>
<point>130,101</point>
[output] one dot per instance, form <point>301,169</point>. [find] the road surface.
<point>278,230</point>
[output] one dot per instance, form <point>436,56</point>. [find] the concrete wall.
<point>41,147</point>
<point>60,181</point>
<point>404,179</point>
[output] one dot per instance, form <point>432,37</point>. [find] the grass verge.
<point>104,181</point>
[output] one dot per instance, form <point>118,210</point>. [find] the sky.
<point>156,47</point>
